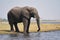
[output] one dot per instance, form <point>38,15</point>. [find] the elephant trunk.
<point>38,24</point>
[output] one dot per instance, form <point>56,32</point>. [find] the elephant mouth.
<point>32,15</point>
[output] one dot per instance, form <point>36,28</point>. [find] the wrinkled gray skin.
<point>22,14</point>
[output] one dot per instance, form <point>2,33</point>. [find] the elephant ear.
<point>34,12</point>
<point>25,14</point>
<point>28,8</point>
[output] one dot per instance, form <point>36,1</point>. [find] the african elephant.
<point>22,14</point>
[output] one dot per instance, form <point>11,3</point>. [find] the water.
<point>53,35</point>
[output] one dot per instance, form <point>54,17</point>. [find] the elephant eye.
<point>32,15</point>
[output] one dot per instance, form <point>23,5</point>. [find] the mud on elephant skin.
<point>22,14</point>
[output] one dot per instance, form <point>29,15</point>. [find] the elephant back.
<point>16,11</point>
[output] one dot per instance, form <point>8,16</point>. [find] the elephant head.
<point>34,13</point>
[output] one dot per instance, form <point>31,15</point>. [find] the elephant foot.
<point>17,31</point>
<point>38,30</point>
<point>11,30</point>
<point>26,33</point>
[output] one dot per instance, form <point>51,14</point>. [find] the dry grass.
<point>4,27</point>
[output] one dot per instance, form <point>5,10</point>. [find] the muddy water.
<point>53,35</point>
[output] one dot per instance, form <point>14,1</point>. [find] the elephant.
<point>22,14</point>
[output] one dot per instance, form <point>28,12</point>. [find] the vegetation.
<point>5,28</point>
<point>3,20</point>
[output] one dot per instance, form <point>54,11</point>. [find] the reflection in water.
<point>31,36</point>
<point>26,35</point>
<point>13,35</point>
<point>54,35</point>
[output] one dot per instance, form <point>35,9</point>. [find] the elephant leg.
<point>11,27</point>
<point>38,23</point>
<point>16,27</point>
<point>26,25</point>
